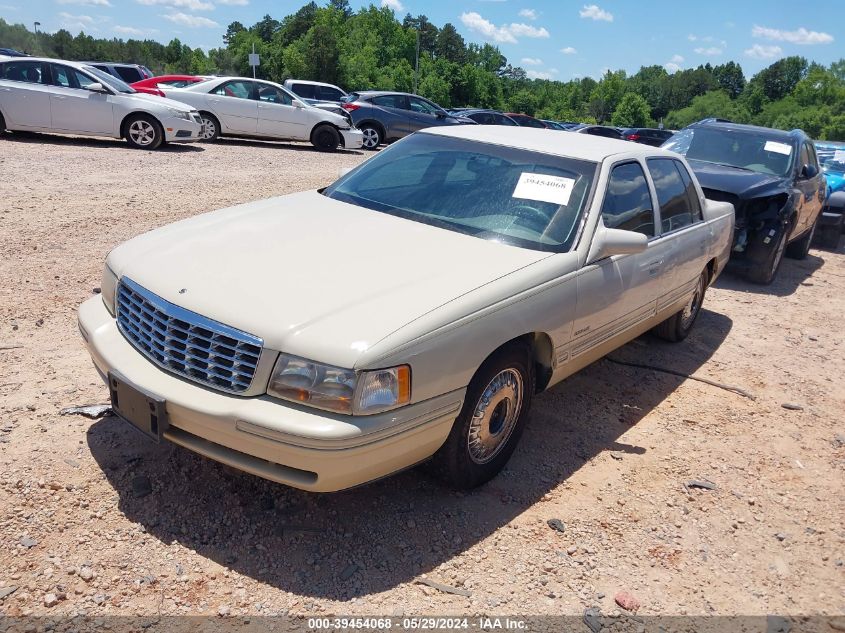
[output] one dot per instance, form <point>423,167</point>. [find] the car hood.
<point>740,182</point>
<point>313,276</point>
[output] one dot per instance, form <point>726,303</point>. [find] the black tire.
<point>829,237</point>
<point>325,138</point>
<point>142,131</point>
<point>800,248</point>
<point>373,136</point>
<point>679,325</point>
<point>764,272</point>
<point>506,378</point>
<point>210,127</point>
<point>2,125</point>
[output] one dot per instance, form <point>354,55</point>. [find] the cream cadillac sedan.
<point>408,312</point>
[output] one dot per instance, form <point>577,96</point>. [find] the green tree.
<point>716,103</point>
<point>632,111</point>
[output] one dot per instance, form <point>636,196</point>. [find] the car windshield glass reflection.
<point>515,196</point>
<point>112,82</point>
<point>735,149</point>
<point>832,157</point>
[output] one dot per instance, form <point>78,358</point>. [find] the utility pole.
<point>417,65</point>
<point>37,24</point>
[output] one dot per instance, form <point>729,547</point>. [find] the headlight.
<point>179,114</point>
<point>341,390</point>
<point>107,288</point>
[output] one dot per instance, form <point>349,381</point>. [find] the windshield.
<point>492,192</point>
<point>111,82</point>
<point>832,157</point>
<point>734,148</point>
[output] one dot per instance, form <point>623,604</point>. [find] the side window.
<point>692,194</point>
<point>128,74</point>
<point>422,106</point>
<point>329,94</point>
<point>105,69</point>
<point>627,203</point>
<point>504,120</point>
<point>390,101</point>
<point>675,211</point>
<point>812,159</point>
<point>27,71</point>
<point>306,91</point>
<point>237,89</point>
<point>271,94</point>
<point>804,157</point>
<point>62,76</point>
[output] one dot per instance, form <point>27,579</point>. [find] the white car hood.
<point>155,100</point>
<point>310,275</point>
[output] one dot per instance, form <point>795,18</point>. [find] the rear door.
<point>234,104</point>
<point>75,109</point>
<point>393,113</point>
<point>277,117</point>
<point>25,94</point>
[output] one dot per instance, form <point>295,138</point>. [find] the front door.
<point>277,117</point>
<point>617,293</point>
<point>75,109</point>
<point>423,114</point>
<point>25,94</point>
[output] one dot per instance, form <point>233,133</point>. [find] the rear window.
<point>129,74</point>
<point>676,194</point>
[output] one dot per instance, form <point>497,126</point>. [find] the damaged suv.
<point>772,178</point>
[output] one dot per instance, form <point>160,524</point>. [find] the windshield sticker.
<point>780,148</point>
<point>543,188</point>
<point>839,156</point>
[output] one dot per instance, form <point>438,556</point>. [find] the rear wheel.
<point>2,125</point>
<point>800,248</point>
<point>678,326</point>
<point>144,132</point>
<point>210,127</point>
<point>764,272</point>
<point>372,136</point>
<point>325,138</point>
<point>491,421</point>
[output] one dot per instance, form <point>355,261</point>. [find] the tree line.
<point>371,49</point>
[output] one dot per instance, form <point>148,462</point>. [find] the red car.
<point>150,86</point>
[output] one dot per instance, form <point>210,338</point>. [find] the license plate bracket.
<point>141,409</point>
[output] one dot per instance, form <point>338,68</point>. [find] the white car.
<point>238,106</point>
<point>411,310</point>
<point>50,95</point>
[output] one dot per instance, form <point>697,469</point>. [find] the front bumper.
<point>291,444</point>
<point>353,138</point>
<point>178,130</point>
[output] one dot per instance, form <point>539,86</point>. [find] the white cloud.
<point>677,59</point>
<point>77,22</point>
<point>394,5</point>
<point>540,74</point>
<point>531,14</point>
<point>593,12</point>
<point>799,36</point>
<point>671,67</point>
<point>131,30</point>
<point>190,5</point>
<point>526,30</point>
<point>192,21</point>
<point>531,61</point>
<point>568,50</point>
<point>712,50</point>
<point>758,51</point>
<point>8,7</point>
<point>692,37</point>
<point>505,34</point>
<point>87,3</point>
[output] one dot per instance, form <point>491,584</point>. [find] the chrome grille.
<point>185,342</point>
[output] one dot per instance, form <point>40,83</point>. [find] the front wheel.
<point>372,137</point>
<point>491,421</point>
<point>144,132</point>
<point>678,326</point>
<point>764,272</point>
<point>800,248</point>
<point>325,138</point>
<point>210,127</point>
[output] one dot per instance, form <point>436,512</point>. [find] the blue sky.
<point>550,39</point>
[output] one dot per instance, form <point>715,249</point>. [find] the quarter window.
<point>26,71</point>
<point>627,204</point>
<point>674,194</point>
<point>237,89</point>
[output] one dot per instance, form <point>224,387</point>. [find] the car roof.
<point>113,64</point>
<point>311,83</point>
<point>579,146</point>
<point>729,126</point>
<point>376,93</point>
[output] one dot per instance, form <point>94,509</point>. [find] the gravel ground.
<point>95,520</point>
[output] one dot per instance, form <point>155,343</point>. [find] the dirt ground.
<point>607,452</point>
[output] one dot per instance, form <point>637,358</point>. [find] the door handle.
<point>58,98</point>
<point>654,267</point>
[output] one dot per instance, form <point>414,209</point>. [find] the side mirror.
<point>441,115</point>
<point>298,104</point>
<point>809,171</point>
<point>608,242</point>
<point>96,87</point>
